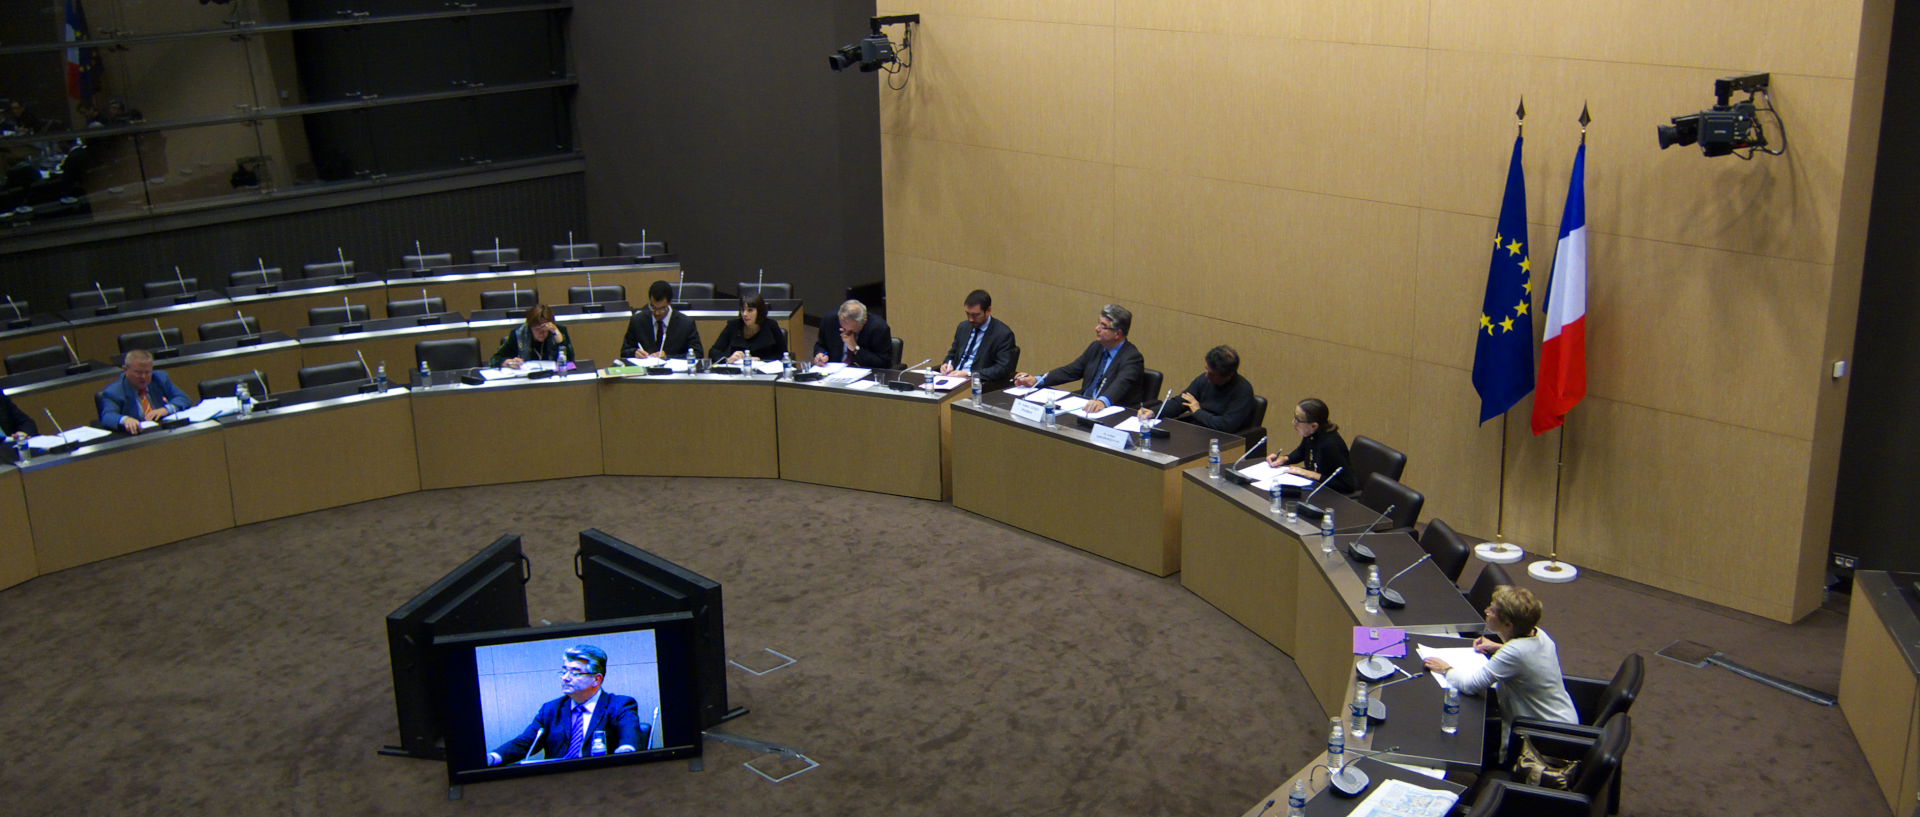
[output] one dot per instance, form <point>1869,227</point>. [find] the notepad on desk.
<point>1461,658</point>
<point>1105,412</point>
<point>210,408</point>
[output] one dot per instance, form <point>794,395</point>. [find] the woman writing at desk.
<point>750,334</point>
<point>537,339</point>
<point>1321,450</point>
<point>1524,661</point>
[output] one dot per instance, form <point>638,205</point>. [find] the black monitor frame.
<point>618,579</point>
<point>479,595</point>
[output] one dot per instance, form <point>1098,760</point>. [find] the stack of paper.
<point>847,374</point>
<point>1461,658</point>
<point>78,435</point>
<point>211,408</point>
<point>1043,395</point>
<point>1398,798</point>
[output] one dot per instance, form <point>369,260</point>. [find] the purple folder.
<point>1366,643</point>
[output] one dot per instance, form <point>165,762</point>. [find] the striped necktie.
<point>579,731</point>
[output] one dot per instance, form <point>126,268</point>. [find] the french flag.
<point>1563,354</point>
<point>83,64</point>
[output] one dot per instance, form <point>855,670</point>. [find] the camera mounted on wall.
<point>876,52</point>
<point>1729,126</point>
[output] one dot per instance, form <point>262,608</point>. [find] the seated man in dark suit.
<point>1114,369</point>
<point>659,322</point>
<point>863,340</point>
<point>140,394</point>
<point>565,726</point>
<point>14,423</point>
<point>1219,398</point>
<point>982,346</point>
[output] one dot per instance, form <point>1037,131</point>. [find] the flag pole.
<point>1500,551</point>
<point>1553,570</point>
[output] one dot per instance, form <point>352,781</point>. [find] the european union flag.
<point>1503,360</point>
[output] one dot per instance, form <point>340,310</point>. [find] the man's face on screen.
<point>577,681</point>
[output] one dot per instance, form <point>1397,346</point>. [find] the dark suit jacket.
<point>1222,408</point>
<point>682,334</point>
<point>120,400</point>
<point>994,360</point>
<point>875,339</point>
<point>618,714</point>
<point>1119,387</point>
<point>13,420</point>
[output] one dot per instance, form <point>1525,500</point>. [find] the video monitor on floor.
<point>569,697</point>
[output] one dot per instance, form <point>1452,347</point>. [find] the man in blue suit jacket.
<point>140,394</point>
<point>564,727</point>
<point>1113,369</point>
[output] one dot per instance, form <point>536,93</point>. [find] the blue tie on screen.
<point>579,731</point>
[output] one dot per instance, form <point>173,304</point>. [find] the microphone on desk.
<point>185,295</point>
<point>162,333</point>
<point>364,369</point>
<point>250,336</point>
<point>897,385</point>
<point>1375,667</point>
<point>1376,705</point>
<point>1350,780</point>
<point>1264,809</point>
<point>1309,511</point>
<point>1391,597</point>
<point>1249,451</point>
<point>1234,476</point>
<point>1151,428</point>
<point>531,747</point>
<point>106,307</point>
<point>15,307</point>
<point>1361,553</point>
<point>56,423</point>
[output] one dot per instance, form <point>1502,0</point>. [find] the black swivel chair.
<point>1590,791</point>
<point>230,385</point>
<point>150,340</point>
<point>692,291</point>
<point>161,289</point>
<point>769,290</point>
<point>571,252</point>
<point>504,255</point>
<point>255,277</point>
<point>899,346</point>
<point>1370,456</point>
<point>1596,702</point>
<point>325,315</point>
<point>427,261</point>
<point>342,372</point>
<point>509,299</point>
<point>90,298</point>
<point>38,359</point>
<point>327,269</point>
<point>416,306</point>
<point>596,294</point>
<point>448,354</point>
<point>1481,594</point>
<point>1254,430</point>
<point>638,248</point>
<point>1150,384</point>
<point>1450,552</point>
<point>1382,491</point>
<point>231,328</point>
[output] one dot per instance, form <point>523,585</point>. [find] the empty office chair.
<point>899,347</point>
<point>416,306</point>
<point>1487,804</point>
<point>1370,456</point>
<point>345,371</point>
<point>643,248</point>
<point>1589,792</point>
<point>769,290</point>
<point>1481,595</point>
<point>1150,385</point>
<point>90,298</point>
<point>572,252</point>
<point>233,328</point>
<point>254,277</point>
<point>504,255</point>
<point>41,358</point>
<point>230,385</point>
<point>14,309</point>
<point>161,289</point>
<point>150,340</point>
<point>327,269</point>
<point>427,261</point>
<point>448,354</point>
<point>1382,492</point>
<point>596,294</point>
<point>509,299</point>
<point>1450,552</point>
<point>325,315</point>
<point>692,291</point>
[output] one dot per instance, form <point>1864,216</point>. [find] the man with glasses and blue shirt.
<point>565,727</point>
<point>1113,369</point>
<point>982,346</point>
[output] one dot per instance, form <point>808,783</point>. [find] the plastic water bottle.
<point>1359,711</point>
<point>1450,711</point>
<point>380,377</point>
<point>246,399</point>
<point>976,390</point>
<point>1297,801</point>
<point>692,360</point>
<point>426,375</point>
<point>1213,458</point>
<point>22,451</point>
<point>1053,415</point>
<point>786,365</point>
<point>1336,748</point>
<point>1326,532</point>
<point>1373,590</point>
<point>599,742</point>
<point>1279,506</point>
<point>560,362</point>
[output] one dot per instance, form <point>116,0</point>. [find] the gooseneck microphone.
<point>1249,451</point>
<point>1350,780</point>
<point>1361,553</point>
<point>1391,597</point>
<point>1376,667</point>
<point>1309,511</point>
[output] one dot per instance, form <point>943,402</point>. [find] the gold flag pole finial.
<point>1520,115</point>
<point>1585,119</point>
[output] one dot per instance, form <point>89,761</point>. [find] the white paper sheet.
<point>79,434</point>
<point>1043,395</point>
<point>1265,476</point>
<point>949,383</point>
<point>1103,413</point>
<point>208,409</point>
<point>1133,424</point>
<point>848,374</point>
<point>1020,391</point>
<point>1463,658</point>
<point>830,367</point>
<point>767,367</point>
<point>862,384</point>
<point>500,374</point>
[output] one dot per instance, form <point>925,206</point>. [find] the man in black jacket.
<point>1113,368</point>
<point>1219,398</point>
<point>982,346</point>
<point>863,339</point>
<point>647,327</point>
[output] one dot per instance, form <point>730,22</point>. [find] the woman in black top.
<point>1321,450</point>
<point>750,334</point>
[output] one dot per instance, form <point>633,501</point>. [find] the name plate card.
<point>1029,411</point>
<point>1110,437</point>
